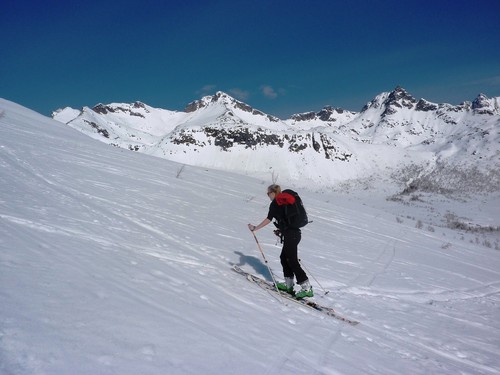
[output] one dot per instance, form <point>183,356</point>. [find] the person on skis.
<point>289,253</point>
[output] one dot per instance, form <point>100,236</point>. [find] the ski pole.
<point>268,267</point>
<point>303,265</point>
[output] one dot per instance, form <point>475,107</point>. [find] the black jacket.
<point>277,213</point>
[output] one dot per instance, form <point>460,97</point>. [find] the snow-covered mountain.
<point>393,135</point>
<point>116,262</point>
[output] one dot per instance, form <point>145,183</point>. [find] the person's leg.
<point>289,256</point>
<point>287,270</point>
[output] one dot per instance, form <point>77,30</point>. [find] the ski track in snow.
<point>111,264</point>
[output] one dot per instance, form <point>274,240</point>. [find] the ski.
<point>304,302</point>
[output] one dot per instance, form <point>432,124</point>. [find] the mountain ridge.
<point>393,131</point>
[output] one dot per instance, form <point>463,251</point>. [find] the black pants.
<point>289,257</point>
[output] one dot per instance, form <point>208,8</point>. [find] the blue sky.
<point>281,57</point>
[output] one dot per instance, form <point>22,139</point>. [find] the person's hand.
<point>251,227</point>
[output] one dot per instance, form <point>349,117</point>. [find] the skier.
<point>289,253</point>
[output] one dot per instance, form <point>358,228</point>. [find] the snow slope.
<point>114,262</point>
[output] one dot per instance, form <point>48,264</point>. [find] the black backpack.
<point>295,215</point>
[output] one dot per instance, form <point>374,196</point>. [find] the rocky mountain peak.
<point>130,109</point>
<point>102,109</point>
<point>390,102</point>
<point>327,113</point>
<point>480,102</point>
<point>400,94</point>
<point>486,106</point>
<point>227,101</point>
<point>426,106</point>
<point>398,98</point>
<point>218,98</point>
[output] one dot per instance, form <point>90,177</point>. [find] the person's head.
<point>273,190</point>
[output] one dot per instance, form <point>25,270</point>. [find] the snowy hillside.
<point>393,135</point>
<point>116,262</point>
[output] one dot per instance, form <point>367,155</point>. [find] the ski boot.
<point>305,291</point>
<point>286,286</point>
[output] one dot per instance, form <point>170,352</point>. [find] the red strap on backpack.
<point>285,198</point>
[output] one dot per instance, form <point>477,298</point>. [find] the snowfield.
<point>116,262</point>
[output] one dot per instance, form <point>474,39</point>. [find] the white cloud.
<point>239,93</point>
<point>269,92</point>
<point>206,90</point>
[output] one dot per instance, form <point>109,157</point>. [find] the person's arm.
<point>264,222</point>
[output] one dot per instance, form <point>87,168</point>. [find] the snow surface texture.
<point>436,147</point>
<point>115,262</point>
